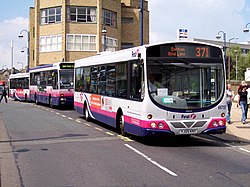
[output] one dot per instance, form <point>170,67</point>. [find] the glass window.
<point>79,78</point>
<point>50,43</point>
<point>81,14</point>
<point>109,18</point>
<point>121,80</point>
<point>78,42</point>
<point>51,15</point>
<point>66,79</point>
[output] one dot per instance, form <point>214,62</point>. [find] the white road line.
<point>111,134</point>
<point>152,161</point>
<point>64,116</point>
<point>78,121</point>
<point>58,113</point>
<point>242,149</point>
<point>96,128</point>
<point>70,118</point>
<point>87,124</point>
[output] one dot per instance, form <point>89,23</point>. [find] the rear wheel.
<point>86,113</point>
<point>51,102</point>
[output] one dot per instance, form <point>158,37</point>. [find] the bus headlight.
<point>160,125</point>
<point>215,124</point>
<point>221,123</point>
<point>153,125</point>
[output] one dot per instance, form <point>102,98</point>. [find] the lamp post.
<point>104,33</point>
<point>246,29</point>
<point>21,64</point>
<point>236,65</point>
<point>28,47</point>
<point>141,22</point>
<point>218,36</point>
<point>229,63</point>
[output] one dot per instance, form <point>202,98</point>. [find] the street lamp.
<point>20,63</point>
<point>218,36</point>
<point>246,29</point>
<point>28,47</point>
<point>236,65</point>
<point>104,33</point>
<point>229,63</point>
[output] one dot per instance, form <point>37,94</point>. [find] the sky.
<point>202,18</point>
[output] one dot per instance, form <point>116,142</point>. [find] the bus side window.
<point>121,80</point>
<point>136,80</point>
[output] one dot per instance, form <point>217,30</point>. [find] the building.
<point>66,30</point>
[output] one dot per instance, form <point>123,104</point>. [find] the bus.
<point>52,84</point>
<point>19,86</point>
<point>189,98</point>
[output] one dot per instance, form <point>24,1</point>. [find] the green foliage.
<point>243,62</point>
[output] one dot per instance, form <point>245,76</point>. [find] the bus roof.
<point>18,75</point>
<point>48,66</point>
<point>127,54</point>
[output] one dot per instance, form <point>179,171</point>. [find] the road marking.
<point>87,124</point>
<point>70,118</point>
<point>58,113</point>
<point>109,133</point>
<point>152,161</point>
<point>78,121</point>
<point>96,128</point>
<point>64,116</point>
<point>126,139</point>
<point>242,149</point>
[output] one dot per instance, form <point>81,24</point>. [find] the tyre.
<point>121,125</point>
<point>86,113</point>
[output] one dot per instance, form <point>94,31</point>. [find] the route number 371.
<point>202,52</point>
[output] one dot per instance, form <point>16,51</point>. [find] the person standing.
<point>230,96</point>
<point>242,102</point>
<point>4,94</point>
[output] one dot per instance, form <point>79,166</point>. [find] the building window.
<point>51,15</point>
<point>81,14</point>
<point>127,20</point>
<point>50,43</point>
<point>109,18</point>
<point>81,42</point>
<point>111,44</point>
<point>126,45</point>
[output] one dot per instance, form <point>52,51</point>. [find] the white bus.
<point>19,86</point>
<point>187,98</point>
<point>52,84</point>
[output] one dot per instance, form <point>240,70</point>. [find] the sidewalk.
<point>237,128</point>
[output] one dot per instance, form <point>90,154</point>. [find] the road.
<point>57,148</point>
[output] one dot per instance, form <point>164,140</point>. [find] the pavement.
<point>236,128</point>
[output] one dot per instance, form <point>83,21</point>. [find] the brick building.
<point>66,30</point>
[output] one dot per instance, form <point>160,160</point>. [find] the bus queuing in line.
<point>19,86</point>
<point>52,84</point>
<point>175,88</point>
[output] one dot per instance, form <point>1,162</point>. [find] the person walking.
<point>4,94</point>
<point>230,97</point>
<point>242,102</point>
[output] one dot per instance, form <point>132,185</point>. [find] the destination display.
<point>67,66</point>
<point>182,50</point>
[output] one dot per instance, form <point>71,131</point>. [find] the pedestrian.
<point>242,102</point>
<point>243,83</point>
<point>4,94</point>
<point>230,97</point>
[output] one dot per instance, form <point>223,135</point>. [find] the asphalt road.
<point>57,148</point>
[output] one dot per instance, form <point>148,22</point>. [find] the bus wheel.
<point>51,102</point>
<point>36,100</point>
<point>86,113</point>
<point>25,99</point>
<point>121,125</point>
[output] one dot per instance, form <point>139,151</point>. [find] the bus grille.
<point>190,124</point>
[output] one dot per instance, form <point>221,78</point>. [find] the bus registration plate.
<point>188,131</point>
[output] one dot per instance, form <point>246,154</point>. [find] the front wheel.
<point>121,125</point>
<point>51,102</point>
